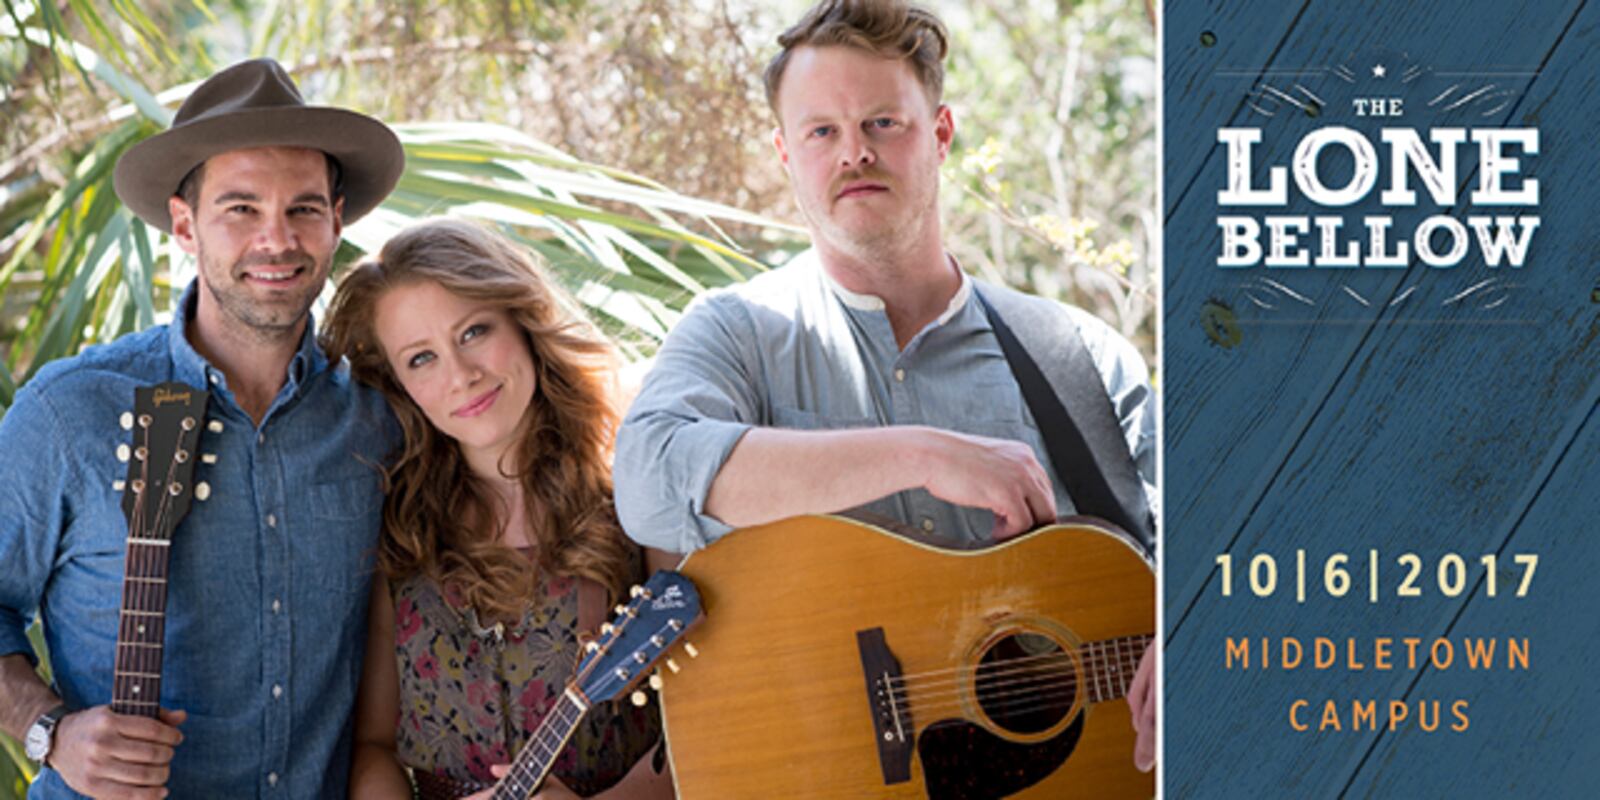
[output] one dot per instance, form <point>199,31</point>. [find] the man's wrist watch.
<point>42,734</point>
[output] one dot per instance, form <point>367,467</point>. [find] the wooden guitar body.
<point>839,660</point>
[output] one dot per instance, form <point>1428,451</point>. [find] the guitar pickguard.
<point>963,761</point>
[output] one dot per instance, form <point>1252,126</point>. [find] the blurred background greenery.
<point>628,141</point>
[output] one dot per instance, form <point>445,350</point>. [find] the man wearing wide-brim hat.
<point>267,575</point>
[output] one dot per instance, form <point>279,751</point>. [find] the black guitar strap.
<point>1081,433</point>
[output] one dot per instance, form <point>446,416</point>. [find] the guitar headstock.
<point>166,422</point>
<point>657,617</point>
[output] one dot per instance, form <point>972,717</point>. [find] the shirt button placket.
<point>274,582</point>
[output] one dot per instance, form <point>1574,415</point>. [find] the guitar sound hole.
<point>1026,683</point>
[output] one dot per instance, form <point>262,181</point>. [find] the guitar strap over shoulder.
<point>1081,433</point>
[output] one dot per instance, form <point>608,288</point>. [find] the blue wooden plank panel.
<point>1420,426</point>
<point>1240,408</point>
<point>1534,730</point>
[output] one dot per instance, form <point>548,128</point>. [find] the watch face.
<point>38,744</point>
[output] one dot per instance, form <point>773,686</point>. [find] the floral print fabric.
<point>471,694</point>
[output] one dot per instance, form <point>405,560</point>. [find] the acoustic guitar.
<point>841,660</point>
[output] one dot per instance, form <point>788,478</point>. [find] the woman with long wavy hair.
<point>500,539</point>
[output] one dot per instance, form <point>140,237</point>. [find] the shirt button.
<point>276,606</point>
<point>272,779</point>
<point>261,438</point>
<point>272,521</point>
<point>900,375</point>
<point>214,379</point>
<point>927,524</point>
<point>277,691</point>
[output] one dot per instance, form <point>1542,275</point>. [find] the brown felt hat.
<point>255,104</point>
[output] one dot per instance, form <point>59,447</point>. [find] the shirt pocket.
<point>346,498</point>
<point>346,516</point>
<point>986,408</point>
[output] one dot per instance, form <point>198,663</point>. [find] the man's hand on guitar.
<point>1142,704</point>
<point>997,474</point>
<point>101,753</point>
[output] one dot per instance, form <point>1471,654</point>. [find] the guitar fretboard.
<point>542,748</point>
<point>1109,665</point>
<point>137,682</point>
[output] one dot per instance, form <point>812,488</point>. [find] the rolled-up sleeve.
<point>33,472</point>
<point>698,400</point>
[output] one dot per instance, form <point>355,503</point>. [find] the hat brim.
<point>369,154</point>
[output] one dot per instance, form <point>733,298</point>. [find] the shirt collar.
<point>192,368</point>
<point>869,302</point>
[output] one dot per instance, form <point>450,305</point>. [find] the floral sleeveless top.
<point>470,696</point>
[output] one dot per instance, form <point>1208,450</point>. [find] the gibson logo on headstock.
<point>164,396</point>
<point>672,598</point>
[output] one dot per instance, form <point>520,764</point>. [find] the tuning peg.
<point>208,458</point>
<point>592,646</point>
<point>140,452</point>
<point>124,452</point>
<point>619,610</point>
<point>688,647</point>
<point>202,490</point>
<point>127,420</point>
<point>145,420</point>
<point>673,665</point>
<point>640,698</point>
<point>635,590</point>
<point>606,628</point>
<point>675,624</point>
<point>640,658</point>
<point>657,640</point>
<point>187,424</point>
<point>118,486</point>
<point>215,426</point>
<point>655,681</point>
<point>137,485</point>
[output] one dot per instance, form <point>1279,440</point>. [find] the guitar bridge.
<point>888,705</point>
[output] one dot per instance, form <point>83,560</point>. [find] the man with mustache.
<point>865,375</point>
<point>268,576</point>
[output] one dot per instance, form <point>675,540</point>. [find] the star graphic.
<point>1378,71</point>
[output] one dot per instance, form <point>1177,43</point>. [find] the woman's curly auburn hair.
<point>435,510</point>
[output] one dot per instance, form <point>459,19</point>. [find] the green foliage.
<point>1054,182</point>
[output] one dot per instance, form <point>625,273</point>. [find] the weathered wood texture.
<point>1405,424</point>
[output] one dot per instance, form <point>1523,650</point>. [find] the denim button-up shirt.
<point>794,349</point>
<point>267,590</point>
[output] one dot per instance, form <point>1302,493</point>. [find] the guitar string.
<point>149,659</point>
<point>1034,673</point>
<point>131,590</point>
<point>994,671</point>
<point>1040,686</point>
<point>1028,705</point>
<point>1025,688</point>
<point>522,767</point>
<point>962,671</point>
<point>1065,678</point>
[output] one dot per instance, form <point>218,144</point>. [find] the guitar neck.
<point>537,756</point>
<point>156,496</point>
<point>136,688</point>
<point>1109,665</point>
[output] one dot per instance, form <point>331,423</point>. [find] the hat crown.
<point>255,84</point>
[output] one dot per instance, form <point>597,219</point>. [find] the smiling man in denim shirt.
<point>268,577</point>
